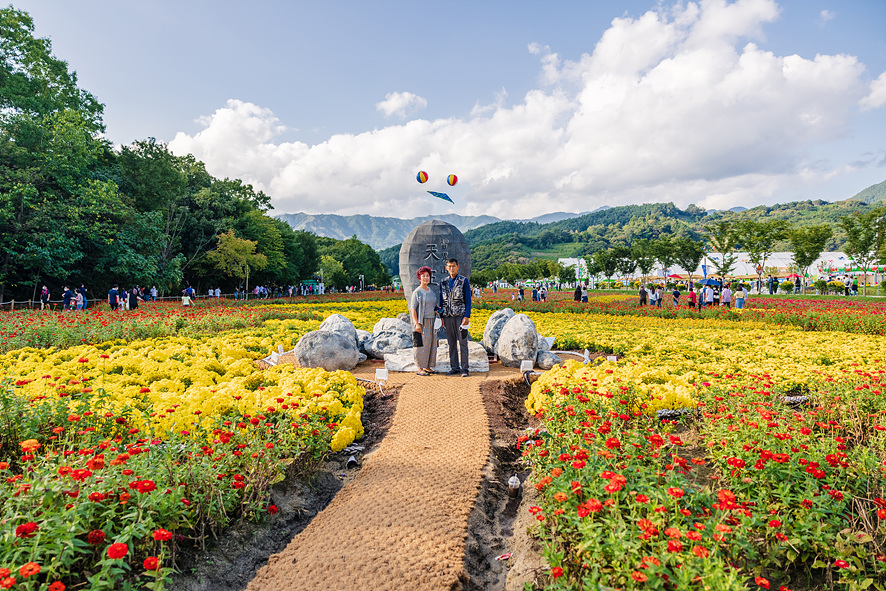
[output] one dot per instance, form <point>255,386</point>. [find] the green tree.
<point>624,261</point>
<point>601,263</point>
<point>333,272</point>
<point>689,254</point>
<point>759,240</point>
<point>48,139</point>
<point>664,251</point>
<point>723,239</point>
<point>865,239</point>
<point>643,254</point>
<point>236,257</point>
<point>808,244</point>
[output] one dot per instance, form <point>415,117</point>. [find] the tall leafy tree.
<point>643,254</point>
<point>759,240</point>
<point>236,257</point>
<point>808,244</point>
<point>866,239</point>
<point>688,254</point>
<point>724,239</point>
<point>665,253</point>
<point>624,261</point>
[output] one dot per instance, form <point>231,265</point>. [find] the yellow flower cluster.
<point>182,383</point>
<point>653,386</point>
<point>664,357</point>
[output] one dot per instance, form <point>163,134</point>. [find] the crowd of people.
<point>708,296</point>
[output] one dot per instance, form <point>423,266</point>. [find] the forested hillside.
<point>73,209</point>
<point>521,242</point>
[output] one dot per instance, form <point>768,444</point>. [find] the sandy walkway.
<point>402,522</point>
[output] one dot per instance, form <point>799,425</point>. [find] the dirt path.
<point>403,521</point>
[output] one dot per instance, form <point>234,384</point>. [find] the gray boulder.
<point>545,343</point>
<point>518,341</point>
<point>362,337</point>
<point>328,349</point>
<point>493,328</point>
<point>338,323</point>
<point>392,324</point>
<point>404,317</point>
<point>387,341</point>
<point>547,360</point>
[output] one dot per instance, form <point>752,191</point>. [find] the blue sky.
<point>332,107</point>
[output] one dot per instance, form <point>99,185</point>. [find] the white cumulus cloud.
<point>401,104</point>
<point>877,96</point>
<point>679,104</point>
<point>824,16</point>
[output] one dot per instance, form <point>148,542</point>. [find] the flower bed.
<point>753,493</point>
<point>856,315</point>
<point>104,445</point>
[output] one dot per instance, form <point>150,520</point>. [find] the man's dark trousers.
<point>452,324</point>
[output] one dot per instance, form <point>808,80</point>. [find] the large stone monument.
<point>431,244</point>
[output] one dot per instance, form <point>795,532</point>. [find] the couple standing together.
<point>454,306</point>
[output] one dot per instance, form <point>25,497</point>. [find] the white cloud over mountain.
<point>676,105</point>
<point>401,104</point>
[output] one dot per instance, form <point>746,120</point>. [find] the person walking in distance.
<point>44,297</point>
<point>455,309</point>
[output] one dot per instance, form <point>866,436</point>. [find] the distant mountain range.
<point>382,232</point>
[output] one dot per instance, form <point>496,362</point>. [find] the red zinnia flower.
<point>151,563</point>
<point>841,564</point>
<point>272,509</point>
<point>30,568</point>
<point>57,586</point>
<point>762,582</point>
<point>116,551</point>
<point>162,535</point>
<point>675,546</point>
<point>556,572</point>
<point>26,530</point>
<point>638,576</point>
<point>7,582</point>
<point>675,492</point>
<point>96,537</point>
<point>700,551</point>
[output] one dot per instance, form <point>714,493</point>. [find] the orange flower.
<point>30,568</point>
<point>30,445</point>
<point>638,576</point>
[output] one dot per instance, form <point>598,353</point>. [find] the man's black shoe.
<point>453,371</point>
<point>464,374</point>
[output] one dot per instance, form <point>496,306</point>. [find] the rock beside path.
<point>518,341</point>
<point>327,349</point>
<point>494,326</point>
<point>387,341</point>
<point>397,324</point>
<point>547,360</point>
<point>362,337</point>
<point>340,324</point>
